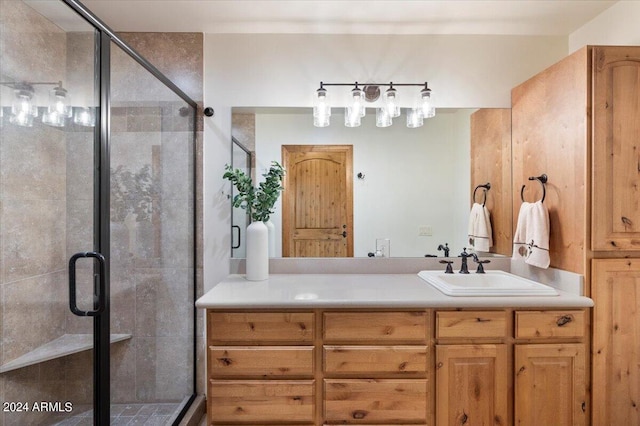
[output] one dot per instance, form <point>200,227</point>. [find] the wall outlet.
<point>425,231</point>
<point>383,246</point>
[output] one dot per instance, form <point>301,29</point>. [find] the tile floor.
<point>124,414</point>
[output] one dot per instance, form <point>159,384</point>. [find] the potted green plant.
<point>259,203</point>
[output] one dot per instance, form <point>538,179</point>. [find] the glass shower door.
<point>48,161</point>
<point>152,243</point>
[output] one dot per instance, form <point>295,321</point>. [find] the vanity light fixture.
<point>356,108</point>
<point>24,109</point>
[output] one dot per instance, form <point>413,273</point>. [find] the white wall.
<point>285,70</point>
<point>412,176</point>
<point>618,25</point>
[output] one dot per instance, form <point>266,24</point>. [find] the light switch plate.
<point>383,245</point>
<point>425,231</point>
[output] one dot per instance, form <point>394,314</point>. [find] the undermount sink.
<point>491,283</point>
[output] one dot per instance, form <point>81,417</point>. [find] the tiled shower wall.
<point>45,190</point>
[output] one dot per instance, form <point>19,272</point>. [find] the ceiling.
<point>505,17</point>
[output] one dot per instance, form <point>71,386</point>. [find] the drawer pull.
<point>359,414</point>
<point>563,320</point>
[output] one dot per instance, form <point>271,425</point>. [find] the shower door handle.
<point>99,287</point>
<point>235,246</point>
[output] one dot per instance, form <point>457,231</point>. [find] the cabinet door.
<point>616,108</point>
<point>616,341</point>
<point>550,385</point>
<point>471,385</point>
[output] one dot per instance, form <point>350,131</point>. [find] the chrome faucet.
<point>464,269</point>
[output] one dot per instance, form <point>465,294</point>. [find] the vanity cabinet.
<point>396,367</point>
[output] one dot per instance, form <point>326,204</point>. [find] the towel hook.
<point>486,187</point>
<point>543,180</point>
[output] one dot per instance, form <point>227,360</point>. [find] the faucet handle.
<point>448,269</point>
<point>480,263</point>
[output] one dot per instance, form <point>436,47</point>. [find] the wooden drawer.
<point>549,324</point>
<point>375,359</point>
<point>268,361</point>
<point>375,401</point>
<point>296,327</point>
<point>471,324</point>
<point>378,327</point>
<point>278,401</point>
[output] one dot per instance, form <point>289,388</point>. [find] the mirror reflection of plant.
<point>133,193</point>
<point>258,202</point>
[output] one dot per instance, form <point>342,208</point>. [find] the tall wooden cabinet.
<point>579,122</point>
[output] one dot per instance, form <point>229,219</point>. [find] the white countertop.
<point>296,291</point>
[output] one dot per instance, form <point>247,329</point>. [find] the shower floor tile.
<point>160,414</point>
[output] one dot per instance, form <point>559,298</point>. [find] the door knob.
<point>344,234</point>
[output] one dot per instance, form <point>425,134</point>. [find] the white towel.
<point>520,249</point>
<point>480,238</point>
<point>531,240</point>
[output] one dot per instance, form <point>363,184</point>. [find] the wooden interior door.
<point>317,200</point>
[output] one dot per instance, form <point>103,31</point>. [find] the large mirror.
<point>411,187</point>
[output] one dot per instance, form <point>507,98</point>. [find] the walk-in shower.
<point>96,160</point>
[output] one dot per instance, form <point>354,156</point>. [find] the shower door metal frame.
<point>101,327</point>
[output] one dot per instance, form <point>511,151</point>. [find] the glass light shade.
<point>23,109</point>
<point>321,121</point>
<point>391,102</point>
<point>352,117</point>
<point>321,105</point>
<point>60,102</point>
<point>85,117</point>
<point>414,118</point>
<point>357,101</point>
<point>21,119</point>
<point>383,119</point>
<point>53,118</point>
<point>426,107</point>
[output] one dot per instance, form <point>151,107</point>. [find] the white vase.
<point>257,251</point>
<point>272,238</point>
